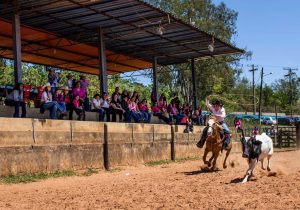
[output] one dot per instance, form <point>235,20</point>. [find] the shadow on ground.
<point>201,171</point>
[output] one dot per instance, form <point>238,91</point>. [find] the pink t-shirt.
<point>79,92</point>
<point>132,106</point>
<point>76,103</point>
<point>155,109</point>
<point>143,107</point>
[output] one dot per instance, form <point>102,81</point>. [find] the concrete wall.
<point>35,145</point>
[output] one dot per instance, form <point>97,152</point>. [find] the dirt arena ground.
<point>172,186</point>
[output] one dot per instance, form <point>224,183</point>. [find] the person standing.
<point>84,83</point>
<point>15,98</point>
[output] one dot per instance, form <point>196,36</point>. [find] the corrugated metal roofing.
<point>63,33</point>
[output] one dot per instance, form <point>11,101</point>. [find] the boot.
<point>203,138</point>
<point>245,148</point>
<point>226,141</point>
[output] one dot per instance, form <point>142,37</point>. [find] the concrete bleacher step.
<point>8,111</point>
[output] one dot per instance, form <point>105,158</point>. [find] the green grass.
<point>165,162</point>
<point>89,172</point>
<point>26,178</point>
<point>113,170</point>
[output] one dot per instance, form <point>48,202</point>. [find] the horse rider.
<point>218,111</point>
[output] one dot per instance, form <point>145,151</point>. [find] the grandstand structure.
<point>101,37</point>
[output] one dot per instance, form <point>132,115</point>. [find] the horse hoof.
<point>263,168</point>
<point>269,169</point>
<point>224,166</point>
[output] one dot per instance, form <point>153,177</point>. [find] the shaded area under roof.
<point>64,33</point>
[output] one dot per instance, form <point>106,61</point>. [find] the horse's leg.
<point>211,158</point>
<point>269,165</point>
<point>262,164</point>
<point>205,155</point>
<point>249,172</point>
<point>216,154</point>
<point>227,154</point>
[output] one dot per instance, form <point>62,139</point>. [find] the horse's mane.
<point>216,127</point>
<point>213,118</point>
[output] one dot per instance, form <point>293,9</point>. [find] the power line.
<point>253,86</point>
<point>290,77</point>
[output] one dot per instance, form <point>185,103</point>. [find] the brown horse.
<point>214,144</point>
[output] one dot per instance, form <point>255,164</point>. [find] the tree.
<point>214,76</point>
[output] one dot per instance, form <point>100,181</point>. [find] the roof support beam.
<point>102,62</point>
<point>17,47</point>
<point>155,83</point>
<point>194,83</point>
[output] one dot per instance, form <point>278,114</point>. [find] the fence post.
<point>105,149</point>
<point>172,143</point>
<point>298,134</point>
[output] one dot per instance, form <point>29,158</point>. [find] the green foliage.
<point>165,162</point>
<point>26,178</point>
<point>213,76</point>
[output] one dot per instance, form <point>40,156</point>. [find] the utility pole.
<point>260,95</point>
<point>290,77</point>
<point>253,87</point>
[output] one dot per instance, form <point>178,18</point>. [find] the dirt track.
<point>173,186</point>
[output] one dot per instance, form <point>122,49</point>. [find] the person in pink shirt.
<point>238,124</point>
<point>78,108</point>
<point>136,115</point>
<point>78,91</point>
<point>155,109</point>
<point>144,110</point>
<point>159,113</point>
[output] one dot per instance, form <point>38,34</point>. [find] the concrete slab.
<point>52,132</point>
<point>16,132</point>
<point>87,132</point>
<point>119,133</point>
<point>143,133</point>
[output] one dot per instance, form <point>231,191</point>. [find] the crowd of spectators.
<point>128,106</point>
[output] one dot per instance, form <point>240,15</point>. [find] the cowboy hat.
<point>63,88</point>
<point>47,85</point>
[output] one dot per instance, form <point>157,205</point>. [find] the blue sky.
<point>270,29</point>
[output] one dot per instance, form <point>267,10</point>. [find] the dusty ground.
<point>173,186</point>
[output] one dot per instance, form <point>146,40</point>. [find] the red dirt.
<point>173,186</point>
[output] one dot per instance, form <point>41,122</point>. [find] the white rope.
<point>237,103</point>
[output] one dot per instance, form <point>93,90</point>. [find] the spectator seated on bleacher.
<point>96,107</point>
<point>135,114</point>
<point>15,98</point>
<point>159,113</point>
<point>196,118</point>
<point>124,104</point>
<point>47,103</point>
<point>116,108</point>
<point>77,91</point>
<point>78,108</point>
<point>59,97</point>
<point>105,104</point>
<point>173,112</point>
<point>144,110</point>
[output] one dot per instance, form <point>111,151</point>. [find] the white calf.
<point>266,151</point>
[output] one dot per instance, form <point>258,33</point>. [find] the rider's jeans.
<point>227,133</point>
<point>225,127</point>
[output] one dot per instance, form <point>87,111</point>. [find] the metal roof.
<point>63,33</point>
